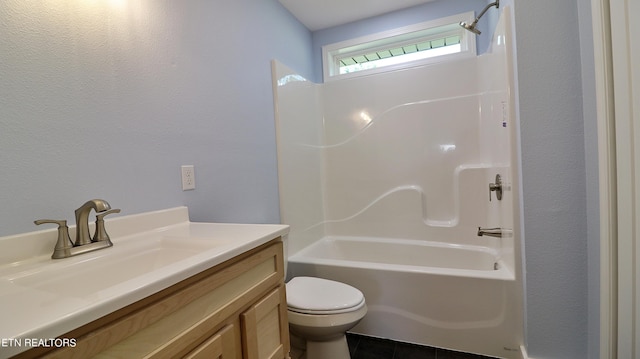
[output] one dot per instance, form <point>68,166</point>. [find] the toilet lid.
<point>313,295</point>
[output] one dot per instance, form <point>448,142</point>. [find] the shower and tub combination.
<point>403,184</point>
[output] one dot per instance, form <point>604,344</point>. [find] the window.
<point>408,46</point>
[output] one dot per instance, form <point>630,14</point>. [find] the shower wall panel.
<point>300,159</point>
<point>406,154</point>
<point>403,154</point>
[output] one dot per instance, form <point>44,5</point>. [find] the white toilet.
<point>320,312</point>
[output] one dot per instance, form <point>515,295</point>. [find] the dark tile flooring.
<point>363,347</point>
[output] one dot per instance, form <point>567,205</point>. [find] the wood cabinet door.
<point>265,327</point>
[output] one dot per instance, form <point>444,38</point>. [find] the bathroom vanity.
<point>167,288</point>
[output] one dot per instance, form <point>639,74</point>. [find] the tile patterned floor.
<point>363,347</point>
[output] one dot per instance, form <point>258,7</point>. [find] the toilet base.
<point>336,348</point>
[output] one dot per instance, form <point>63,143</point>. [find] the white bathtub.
<point>450,296</point>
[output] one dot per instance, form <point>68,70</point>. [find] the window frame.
<point>332,53</point>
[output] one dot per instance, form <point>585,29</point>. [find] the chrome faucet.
<point>495,232</point>
<point>82,219</point>
<point>65,248</point>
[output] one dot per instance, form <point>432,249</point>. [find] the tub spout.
<point>495,232</point>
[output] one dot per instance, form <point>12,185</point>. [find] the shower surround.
<point>384,180</point>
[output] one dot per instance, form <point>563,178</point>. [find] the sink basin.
<point>90,276</point>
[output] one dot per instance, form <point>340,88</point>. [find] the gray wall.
<point>558,165</point>
<point>106,99</point>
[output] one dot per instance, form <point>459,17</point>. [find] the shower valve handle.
<point>497,187</point>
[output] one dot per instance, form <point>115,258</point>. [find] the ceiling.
<point>321,14</point>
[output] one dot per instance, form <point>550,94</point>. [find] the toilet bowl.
<point>320,312</point>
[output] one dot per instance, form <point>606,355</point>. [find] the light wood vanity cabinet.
<point>236,309</point>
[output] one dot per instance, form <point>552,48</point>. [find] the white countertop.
<point>43,298</point>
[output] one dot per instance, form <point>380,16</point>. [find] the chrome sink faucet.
<point>82,219</point>
<point>84,243</point>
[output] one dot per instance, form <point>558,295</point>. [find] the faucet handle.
<point>497,187</point>
<point>63,244</point>
<point>101,232</point>
<point>100,216</point>
<point>60,223</point>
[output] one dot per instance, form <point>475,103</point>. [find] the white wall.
<point>108,98</point>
